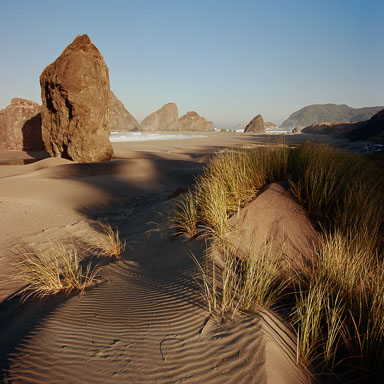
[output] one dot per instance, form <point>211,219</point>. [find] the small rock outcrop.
<point>192,121</point>
<point>269,124</point>
<point>75,113</point>
<point>20,126</point>
<point>164,119</point>
<point>120,119</point>
<point>256,125</point>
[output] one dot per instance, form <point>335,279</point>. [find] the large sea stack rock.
<point>20,126</point>
<point>192,121</point>
<point>75,114</point>
<point>256,125</point>
<point>120,119</point>
<point>164,119</point>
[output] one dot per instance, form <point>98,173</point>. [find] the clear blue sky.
<point>226,59</point>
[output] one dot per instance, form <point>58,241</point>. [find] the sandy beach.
<point>145,322</point>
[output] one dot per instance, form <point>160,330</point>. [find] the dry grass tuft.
<point>55,270</point>
<point>108,243</point>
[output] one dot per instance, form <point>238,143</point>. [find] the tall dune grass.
<point>230,181</point>
<point>340,314</point>
<point>342,191</point>
<point>247,283</point>
<point>339,310</point>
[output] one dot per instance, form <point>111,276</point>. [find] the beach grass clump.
<point>247,283</point>
<point>57,269</point>
<point>185,216</point>
<point>107,243</point>
<point>342,191</point>
<point>339,312</point>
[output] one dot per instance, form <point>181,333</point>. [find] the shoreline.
<point>212,139</point>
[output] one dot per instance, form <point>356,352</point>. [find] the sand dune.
<point>275,220</point>
<point>146,322</point>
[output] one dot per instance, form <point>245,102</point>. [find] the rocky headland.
<point>330,113</point>
<point>372,129</point>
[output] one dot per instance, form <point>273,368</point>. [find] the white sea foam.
<point>120,137</point>
<point>269,130</point>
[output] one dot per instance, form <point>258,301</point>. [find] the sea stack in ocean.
<point>192,121</point>
<point>76,104</point>
<point>164,119</point>
<point>256,125</point>
<point>120,119</point>
<point>20,125</point>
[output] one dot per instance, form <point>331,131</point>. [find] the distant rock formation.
<point>372,129</point>
<point>20,126</point>
<point>330,113</point>
<point>164,119</point>
<point>256,125</point>
<point>120,119</point>
<point>327,128</point>
<point>270,125</point>
<point>192,121</point>
<point>75,114</point>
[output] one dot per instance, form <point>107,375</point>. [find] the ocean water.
<point>269,130</point>
<point>120,137</point>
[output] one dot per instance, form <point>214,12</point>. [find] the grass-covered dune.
<point>336,306</point>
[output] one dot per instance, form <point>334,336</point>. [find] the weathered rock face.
<point>256,125</point>
<point>20,126</point>
<point>75,114</point>
<point>164,119</point>
<point>192,121</point>
<point>120,118</point>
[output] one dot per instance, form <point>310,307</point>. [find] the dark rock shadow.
<point>32,138</point>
